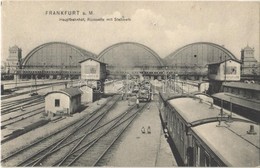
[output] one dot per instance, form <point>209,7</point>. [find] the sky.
<point>163,26</point>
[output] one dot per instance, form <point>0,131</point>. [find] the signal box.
<point>227,70</point>
<point>92,69</point>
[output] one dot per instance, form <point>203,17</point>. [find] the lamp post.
<point>43,71</point>
<point>70,57</point>
<point>71,78</point>
<point>61,70</point>
<point>175,78</point>
<point>225,70</point>
<point>16,74</point>
<point>35,84</point>
<point>15,78</point>
<point>230,107</point>
<point>166,76</point>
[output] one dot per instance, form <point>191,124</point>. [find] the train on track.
<point>206,135</point>
<point>145,91</point>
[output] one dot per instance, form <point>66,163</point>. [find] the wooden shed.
<point>90,94</point>
<point>66,101</point>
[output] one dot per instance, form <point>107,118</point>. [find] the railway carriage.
<point>204,135</point>
<point>229,144</point>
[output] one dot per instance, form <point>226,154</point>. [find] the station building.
<point>61,60</point>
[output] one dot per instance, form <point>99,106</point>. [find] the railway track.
<point>26,92</point>
<point>101,134</point>
<point>20,117</point>
<point>71,139</point>
<point>6,104</point>
<point>92,155</point>
<point>14,106</point>
<point>42,146</point>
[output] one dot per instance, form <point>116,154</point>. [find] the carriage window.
<point>174,120</point>
<point>197,153</point>
<point>170,122</point>
<point>207,159</point>
<point>202,157</point>
<point>177,124</point>
<point>182,132</point>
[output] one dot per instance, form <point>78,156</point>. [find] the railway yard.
<point>106,132</point>
<point>150,84</point>
<point>85,139</point>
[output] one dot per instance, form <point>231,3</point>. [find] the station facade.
<point>61,61</point>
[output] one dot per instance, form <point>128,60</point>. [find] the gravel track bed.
<point>90,157</point>
<point>24,140</point>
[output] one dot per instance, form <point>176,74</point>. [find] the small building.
<point>227,70</point>
<point>67,101</point>
<point>92,69</point>
<point>221,72</point>
<point>90,94</point>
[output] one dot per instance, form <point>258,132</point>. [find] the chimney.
<point>251,130</point>
<point>211,106</point>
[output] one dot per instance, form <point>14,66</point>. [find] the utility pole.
<point>15,78</point>
<point>70,72</point>
<point>70,66</point>
<point>35,84</point>
<point>44,70</point>
<point>16,75</point>
<point>166,76</point>
<point>225,70</point>
<point>230,107</point>
<point>175,75</point>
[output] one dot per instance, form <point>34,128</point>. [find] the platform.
<point>136,149</point>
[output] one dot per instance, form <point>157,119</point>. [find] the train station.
<point>98,99</point>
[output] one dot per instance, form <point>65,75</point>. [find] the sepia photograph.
<point>130,83</point>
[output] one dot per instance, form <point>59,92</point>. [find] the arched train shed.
<point>130,54</point>
<point>54,60</point>
<point>193,58</point>
<point>131,58</point>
